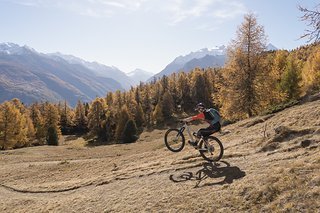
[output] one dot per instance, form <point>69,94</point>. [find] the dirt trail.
<point>271,163</point>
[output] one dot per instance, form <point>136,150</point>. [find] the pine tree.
<point>122,120</point>
<point>139,117</point>
<point>290,81</point>
<point>185,92</point>
<point>66,118</point>
<point>80,118</point>
<point>52,136</point>
<point>146,105</point>
<point>168,102</point>
<point>129,133</point>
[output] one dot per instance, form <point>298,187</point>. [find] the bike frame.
<point>185,126</point>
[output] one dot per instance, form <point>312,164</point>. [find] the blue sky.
<point>145,34</point>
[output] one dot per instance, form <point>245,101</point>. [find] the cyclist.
<point>211,116</point>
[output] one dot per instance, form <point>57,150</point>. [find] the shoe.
<point>195,144</point>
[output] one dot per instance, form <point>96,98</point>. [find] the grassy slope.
<point>271,164</point>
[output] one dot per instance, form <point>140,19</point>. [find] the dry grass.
<point>146,177</point>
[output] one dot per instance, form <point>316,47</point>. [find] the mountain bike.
<point>210,147</point>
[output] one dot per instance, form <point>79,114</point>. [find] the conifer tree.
<point>66,118</point>
<point>158,114</point>
<point>290,81</point>
<point>168,102</point>
<point>122,120</point>
<point>129,133</point>
<point>80,118</point>
<point>97,114</point>
<point>139,117</point>
<point>146,105</point>
<point>184,92</point>
<point>12,126</point>
<point>240,89</point>
<point>51,119</point>
<point>311,72</point>
<point>38,123</point>
<point>52,136</point>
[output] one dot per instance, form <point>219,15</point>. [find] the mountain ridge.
<point>32,76</point>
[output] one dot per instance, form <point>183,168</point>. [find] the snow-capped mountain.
<point>14,49</point>
<point>139,75</point>
<point>214,57</point>
<point>271,47</point>
<point>200,54</point>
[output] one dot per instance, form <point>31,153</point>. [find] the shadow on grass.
<point>212,171</point>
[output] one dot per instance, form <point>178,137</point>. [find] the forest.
<point>252,82</point>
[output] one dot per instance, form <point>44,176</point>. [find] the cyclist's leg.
<point>205,132</point>
<point>216,127</point>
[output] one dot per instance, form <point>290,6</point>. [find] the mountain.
<point>205,62</point>
<point>32,76</point>
<point>203,58</point>
<point>271,47</point>
<point>99,69</point>
<point>139,75</point>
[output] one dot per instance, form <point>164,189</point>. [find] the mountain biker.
<point>211,116</point>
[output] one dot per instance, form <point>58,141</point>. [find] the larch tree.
<point>51,120</point>
<point>311,72</point>
<point>241,89</point>
<point>80,118</point>
<point>157,115</point>
<point>200,88</point>
<point>122,120</point>
<point>139,117</point>
<point>66,118</point>
<point>168,103</point>
<point>97,114</point>
<point>12,126</point>
<point>38,122</point>
<point>184,92</point>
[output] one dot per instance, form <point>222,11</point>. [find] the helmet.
<point>200,106</point>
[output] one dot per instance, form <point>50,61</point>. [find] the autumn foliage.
<point>253,81</point>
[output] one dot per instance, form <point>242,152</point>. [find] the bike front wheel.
<point>211,149</point>
<point>174,140</point>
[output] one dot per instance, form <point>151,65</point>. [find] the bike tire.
<point>174,140</point>
<point>217,147</point>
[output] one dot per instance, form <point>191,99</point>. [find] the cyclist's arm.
<point>196,117</point>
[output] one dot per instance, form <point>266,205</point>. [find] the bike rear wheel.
<point>174,140</point>
<point>211,149</point>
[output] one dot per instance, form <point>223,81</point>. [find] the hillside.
<point>271,164</point>
<point>32,76</point>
